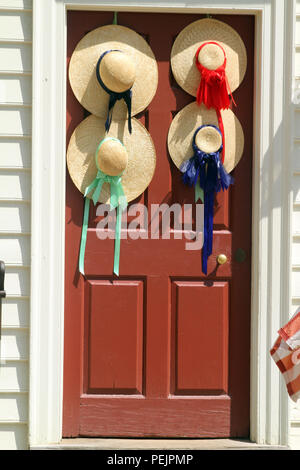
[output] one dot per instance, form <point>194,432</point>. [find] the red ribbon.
<point>214,89</point>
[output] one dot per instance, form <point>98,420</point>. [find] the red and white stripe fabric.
<point>286,354</point>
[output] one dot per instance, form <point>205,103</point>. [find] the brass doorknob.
<point>222,259</point>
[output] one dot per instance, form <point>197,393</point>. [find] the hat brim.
<point>82,70</point>
<point>192,37</point>
<point>186,122</point>
<point>139,145</point>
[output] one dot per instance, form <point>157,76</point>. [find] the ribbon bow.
<point>117,200</point>
<point>214,88</point>
<point>114,96</point>
<point>117,196</point>
<point>205,171</point>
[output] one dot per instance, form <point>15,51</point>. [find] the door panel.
<point>109,369</point>
<point>201,338</point>
<point>162,350</point>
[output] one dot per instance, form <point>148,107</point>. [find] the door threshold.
<point>161,444</point>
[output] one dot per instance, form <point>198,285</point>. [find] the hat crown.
<point>112,157</point>
<point>117,71</point>
<point>208,139</point>
<point>211,56</point>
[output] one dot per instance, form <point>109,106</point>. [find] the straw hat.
<point>137,159</point>
<point>210,56</point>
<point>130,63</point>
<point>187,121</point>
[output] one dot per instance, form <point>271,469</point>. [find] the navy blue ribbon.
<point>114,96</point>
<point>208,168</point>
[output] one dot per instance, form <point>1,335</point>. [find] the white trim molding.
<point>272,204</point>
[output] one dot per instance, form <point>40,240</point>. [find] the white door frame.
<point>272,203</point>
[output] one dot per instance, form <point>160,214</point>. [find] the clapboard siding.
<point>15,313</point>
<point>15,4</point>
<point>295,301</point>
<point>296,221</point>
<point>15,27</point>
<point>14,407</point>
<point>296,171</point>
<point>297,60</point>
<point>297,123</point>
<point>14,345</point>
<point>15,249</point>
<point>15,90</point>
<point>296,155</point>
<point>13,377</point>
<point>16,58</point>
<point>297,35</point>
<point>13,437</point>
<point>17,281</point>
<point>297,41</point>
<point>15,121</point>
<point>15,208</point>
<point>296,187</point>
<point>15,216</point>
<point>15,185</point>
<point>295,283</point>
<point>15,153</point>
<point>296,252</point>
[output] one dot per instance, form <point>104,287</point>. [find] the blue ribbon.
<point>207,171</point>
<point>114,96</point>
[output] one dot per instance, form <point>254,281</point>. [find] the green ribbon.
<point>84,234</point>
<point>115,19</point>
<point>117,200</point>
<point>199,193</point>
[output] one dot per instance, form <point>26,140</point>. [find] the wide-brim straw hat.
<point>82,70</point>
<point>183,54</point>
<point>140,149</point>
<point>189,119</point>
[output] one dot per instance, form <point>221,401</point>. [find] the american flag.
<point>286,354</point>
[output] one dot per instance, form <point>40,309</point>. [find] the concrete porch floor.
<point>154,444</point>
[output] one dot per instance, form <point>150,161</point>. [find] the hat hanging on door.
<point>209,61</point>
<point>195,145</point>
<point>190,118</point>
<point>211,53</point>
<point>113,169</point>
<point>113,69</point>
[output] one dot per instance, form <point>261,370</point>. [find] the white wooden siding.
<point>15,313</point>
<point>15,121</point>
<point>16,5</point>
<point>295,408</point>
<point>15,153</point>
<point>14,407</point>
<point>15,185</point>
<point>16,57</point>
<point>16,27</point>
<point>13,379</point>
<point>15,215</point>
<point>15,90</point>
<point>13,436</point>
<point>296,223</point>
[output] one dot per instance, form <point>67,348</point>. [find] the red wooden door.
<point>162,350</point>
